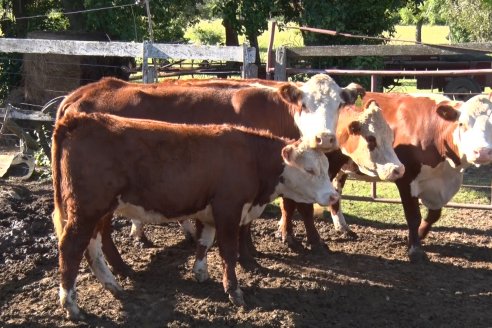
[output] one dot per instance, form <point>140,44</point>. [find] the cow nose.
<point>326,141</point>
<point>333,199</point>
<point>399,171</point>
<point>483,154</point>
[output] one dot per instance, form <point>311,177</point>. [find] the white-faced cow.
<point>368,145</point>
<point>436,139</point>
<point>157,172</point>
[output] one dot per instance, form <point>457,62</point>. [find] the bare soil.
<point>367,282</point>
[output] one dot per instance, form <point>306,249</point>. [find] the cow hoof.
<point>248,263</point>
<point>417,255</point>
<point>237,298</point>
<point>293,243</point>
<point>143,242</point>
<point>201,275</point>
<point>122,270</point>
<point>74,315</point>
<point>319,248</point>
<point>347,234</point>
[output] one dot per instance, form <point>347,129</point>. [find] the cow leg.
<point>111,253</point>
<point>95,258</point>
<point>247,249</point>
<point>337,216</point>
<point>285,227</point>
<point>205,235</point>
<point>73,242</point>
<point>413,217</point>
<point>425,226</point>
<point>138,234</point>
<point>228,239</point>
<point>313,237</point>
<point>189,230</point>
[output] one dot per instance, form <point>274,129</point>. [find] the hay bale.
<point>48,76</point>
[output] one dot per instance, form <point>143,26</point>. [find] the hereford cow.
<point>372,154</point>
<point>158,172</point>
<point>436,139</point>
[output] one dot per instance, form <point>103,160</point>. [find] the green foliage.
<point>43,165</point>
<point>349,16</point>
<point>204,35</point>
<point>169,19</point>
<point>428,11</point>
<point>469,20</point>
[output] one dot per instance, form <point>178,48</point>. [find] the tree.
<point>468,20</point>
<point>349,16</point>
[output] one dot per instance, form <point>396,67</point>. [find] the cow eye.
<point>310,171</point>
<point>371,142</point>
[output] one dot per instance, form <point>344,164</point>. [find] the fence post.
<point>149,73</point>
<point>280,64</point>
<point>249,69</point>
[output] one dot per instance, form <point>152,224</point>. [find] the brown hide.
<point>100,161</point>
<point>252,107</point>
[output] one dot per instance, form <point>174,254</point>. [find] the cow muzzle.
<point>325,141</point>
<point>482,155</point>
<point>392,172</point>
<point>329,198</point>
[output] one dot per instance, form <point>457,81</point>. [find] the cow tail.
<point>59,215</point>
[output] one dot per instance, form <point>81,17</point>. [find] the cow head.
<point>305,177</point>
<point>367,139</point>
<point>473,135</point>
<point>319,101</point>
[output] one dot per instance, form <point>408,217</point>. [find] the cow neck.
<point>282,123</point>
<point>270,167</point>
<point>446,142</point>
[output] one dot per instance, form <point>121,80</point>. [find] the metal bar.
<point>391,73</point>
<point>397,201</point>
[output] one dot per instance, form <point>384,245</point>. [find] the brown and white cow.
<point>367,145</point>
<point>436,139</point>
<point>158,172</point>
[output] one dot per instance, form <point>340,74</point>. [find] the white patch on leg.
<point>99,266</point>
<point>68,301</point>
<point>339,222</point>
<point>187,226</point>
<point>137,229</point>
<point>200,268</point>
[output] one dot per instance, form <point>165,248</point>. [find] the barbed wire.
<point>72,12</point>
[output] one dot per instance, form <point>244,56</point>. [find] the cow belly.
<point>435,186</point>
<point>152,217</point>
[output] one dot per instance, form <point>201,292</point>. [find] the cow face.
<point>473,136</point>
<point>319,101</point>
<point>305,177</point>
<point>368,141</point>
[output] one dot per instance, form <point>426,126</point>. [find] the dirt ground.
<point>368,282</point>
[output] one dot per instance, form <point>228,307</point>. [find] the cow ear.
<point>447,112</point>
<point>290,93</point>
<point>354,128</point>
<point>287,153</point>
<point>370,102</point>
<point>351,92</point>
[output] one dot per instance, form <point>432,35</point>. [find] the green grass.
<point>433,34</point>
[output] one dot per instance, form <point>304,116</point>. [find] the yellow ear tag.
<point>358,102</point>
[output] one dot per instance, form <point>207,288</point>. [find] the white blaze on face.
<point>374,154</point>
<point>321,102</point>
<point>474,133</point>
<point>305,176</point>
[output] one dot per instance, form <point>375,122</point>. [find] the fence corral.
<point>55,64</point>
<point>279,66</point>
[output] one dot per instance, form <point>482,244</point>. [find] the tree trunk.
<point>77,21</point>
<point>231,36</point>
<point>418,30</point>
